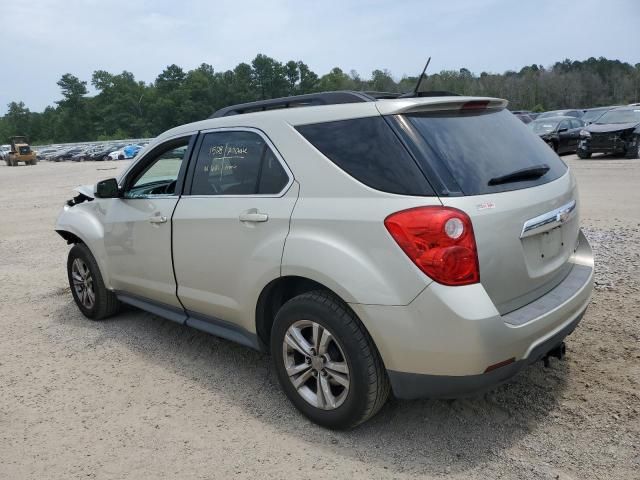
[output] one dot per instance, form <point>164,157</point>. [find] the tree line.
<point>128,108</point>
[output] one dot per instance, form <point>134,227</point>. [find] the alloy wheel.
<point>316,364</point>
<point>83,283</point>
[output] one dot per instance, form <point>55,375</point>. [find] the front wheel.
<point>634,152</point>
<point>326,362</point>
<point>87,287</point>
<point>583,154</point>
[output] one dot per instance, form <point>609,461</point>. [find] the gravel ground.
<point>140,397</point>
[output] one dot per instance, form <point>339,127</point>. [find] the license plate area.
<point>551,243</point>
<point>546,251</point>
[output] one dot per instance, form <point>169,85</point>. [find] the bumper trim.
<point>572,284</point>
<point>409,386</point>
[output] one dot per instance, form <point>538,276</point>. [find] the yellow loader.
<point>20,152</point>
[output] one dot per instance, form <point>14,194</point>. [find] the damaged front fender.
<point>81,220</point>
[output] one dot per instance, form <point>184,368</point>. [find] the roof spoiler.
<point>442,104</point>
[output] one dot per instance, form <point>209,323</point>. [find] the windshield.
<point>620,116</point>
<point>592,115</point>
<point>463,151</point>
<point>543,126</point>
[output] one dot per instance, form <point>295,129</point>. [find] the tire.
<point>105,303</point>
<point>350,345</point>
<point>552,145</point>
<point>634,152</point>
<point>584,155</point>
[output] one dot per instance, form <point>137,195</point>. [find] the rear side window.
<point>369,151</point>
<point>462,152</point>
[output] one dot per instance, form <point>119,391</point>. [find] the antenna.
<point>415,90</point>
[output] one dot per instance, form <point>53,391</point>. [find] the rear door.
<point>526,228</point>
<point>230,227</point>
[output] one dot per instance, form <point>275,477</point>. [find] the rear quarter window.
<point>461,152</point>
<point>369,151</point>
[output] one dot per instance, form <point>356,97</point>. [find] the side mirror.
<point>107,188</point>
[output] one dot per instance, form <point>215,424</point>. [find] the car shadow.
<point>420,437</point>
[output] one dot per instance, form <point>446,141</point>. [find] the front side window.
<point>237,163</point>
<point>160,174</point>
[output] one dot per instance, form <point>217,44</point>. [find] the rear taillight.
<point>439,240</point>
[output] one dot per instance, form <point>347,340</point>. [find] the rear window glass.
<point>462,152</point>
<point>369,151</point>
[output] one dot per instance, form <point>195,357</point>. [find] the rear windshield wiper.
<point>529,173</point>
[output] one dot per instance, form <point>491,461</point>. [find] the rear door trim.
<point>550,220</point>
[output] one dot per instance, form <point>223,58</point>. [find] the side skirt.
<point>214,326</point>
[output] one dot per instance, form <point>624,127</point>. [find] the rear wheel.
<point>326,362</point>
<point>87,287</point>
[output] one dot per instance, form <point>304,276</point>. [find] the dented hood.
<point>610,127</point>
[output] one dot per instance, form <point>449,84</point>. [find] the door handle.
<point>253,217</point>
<point>158,219</point>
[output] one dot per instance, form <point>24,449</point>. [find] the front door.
<point>138,226</point>
<point>231,224</point>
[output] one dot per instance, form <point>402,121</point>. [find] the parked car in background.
<point>44,153</point>
<point>4,149</point>
<point>103,152</point>
<point>130,151</point>
<point>116,155</point>
<point>81,155</point>
<point>590,115</point>
<point>616,131</point>
<point>441,273</point>
<point>66,154</point>
<point>562,134</point>
<point>524,117</point>
<point>561,113</point>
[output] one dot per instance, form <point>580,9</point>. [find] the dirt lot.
<point>140,397</point>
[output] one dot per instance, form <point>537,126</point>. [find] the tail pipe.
<point>558,352</point>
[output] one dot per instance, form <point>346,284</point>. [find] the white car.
<point>116,155</point>
<point>429,246</point>
<point>4,149</point>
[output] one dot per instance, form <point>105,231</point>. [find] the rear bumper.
<point>410,386</point>
<point>441,344</point>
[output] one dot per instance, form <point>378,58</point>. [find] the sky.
<point>40,40</point>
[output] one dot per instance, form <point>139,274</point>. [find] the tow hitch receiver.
<point>559,352</point>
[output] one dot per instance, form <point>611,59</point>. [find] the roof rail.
<point>322,98</point>
<point>310,99</point>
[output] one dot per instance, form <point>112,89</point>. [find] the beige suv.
<point>426,246</point>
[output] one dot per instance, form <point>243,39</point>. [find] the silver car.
<point>426,246</point>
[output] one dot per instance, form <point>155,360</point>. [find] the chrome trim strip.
<point>550,220</point>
